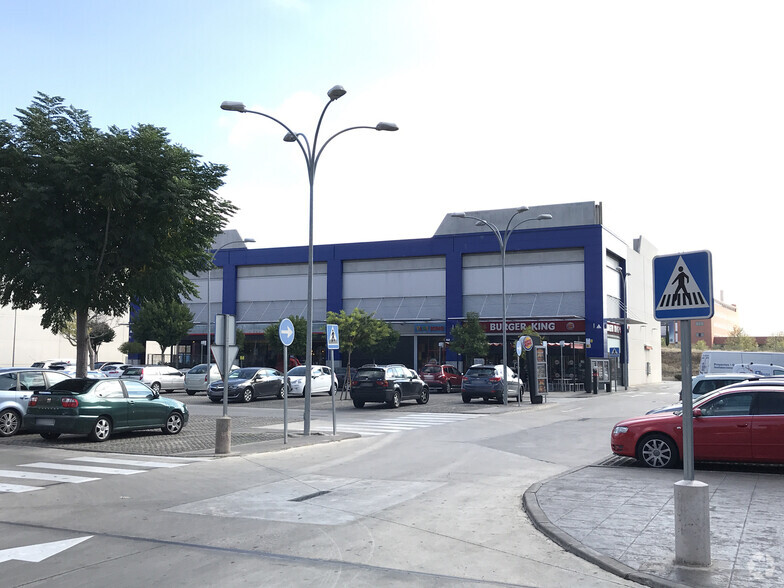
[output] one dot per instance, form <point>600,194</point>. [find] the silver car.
<point>16,387</point>
<point>157,377</point>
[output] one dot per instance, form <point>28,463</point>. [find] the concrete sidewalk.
<point>622,519</point>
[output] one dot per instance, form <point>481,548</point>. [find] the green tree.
<point>298,345</point>
<point>93,220</point>
<point>775,342</point>
<point>362,331</point>
<point>99,331</point>
<point>166,323</point>
<point>738,340</point>
<point>131,347</point>
<point>468,339</point>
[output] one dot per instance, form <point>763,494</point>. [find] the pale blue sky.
<point>669,113</point>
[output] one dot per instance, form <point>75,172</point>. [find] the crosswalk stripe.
<point>395,424</point>
<point>18,488</point>
<point>46,477</point>
<point>80,468</point>
<point>129,462</point>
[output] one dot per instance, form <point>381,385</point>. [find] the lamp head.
<point>232,105</point>
<point>384,126</point>
<point>480,223</point>
<point>458,214</point>
<point>521,209</point>
<point>336,92</point>
<point>544,216</point>
<point>290,138</point>
<point>249,240</point>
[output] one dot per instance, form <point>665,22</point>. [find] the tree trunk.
<point>81,343</point>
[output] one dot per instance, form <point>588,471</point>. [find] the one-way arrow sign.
<point>39,552</point>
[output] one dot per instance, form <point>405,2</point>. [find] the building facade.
<point>564,277</point>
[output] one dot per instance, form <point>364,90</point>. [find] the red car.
<point>744,423</point>
<point>442,377</point>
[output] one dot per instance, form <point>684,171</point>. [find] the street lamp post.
<point>312,155</point>
<point>625,362</point>
<point>503,240</point>
<point>209,314</point>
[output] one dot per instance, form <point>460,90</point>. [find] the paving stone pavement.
<point>622,518</point>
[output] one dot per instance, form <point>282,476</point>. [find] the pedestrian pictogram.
<point>683,286</point>
<point>682,291</point>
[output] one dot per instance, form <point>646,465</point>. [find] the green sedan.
<point>99,407</point>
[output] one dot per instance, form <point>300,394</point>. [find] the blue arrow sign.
<point>286,332</point>
<point>683,286</point>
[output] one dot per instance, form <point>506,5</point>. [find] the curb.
<point>543,524</point>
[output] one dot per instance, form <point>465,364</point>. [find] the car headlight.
<point>620,430</point>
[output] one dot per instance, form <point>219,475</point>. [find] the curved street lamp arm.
<point>305,151</point>
<point>318,129</point>
<point>491,226</point>
<point>320,151</point>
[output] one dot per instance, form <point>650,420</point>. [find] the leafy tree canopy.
<point>297,346</point>
<point>94,219</point>
<point>360,330</point>
<point>166,323</point>
<point>99,331</point>
<point>468,339</point>
<point>740,341</point>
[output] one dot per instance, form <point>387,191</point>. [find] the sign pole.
<point>285,394</point>
<point>334,392</point>
<point>686,402</point>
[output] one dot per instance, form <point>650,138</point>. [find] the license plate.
<point>45,422</point>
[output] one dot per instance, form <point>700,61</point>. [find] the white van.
<point>723,362</point>
<point>760,369</point>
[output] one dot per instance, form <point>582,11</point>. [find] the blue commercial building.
<point>564,277</point>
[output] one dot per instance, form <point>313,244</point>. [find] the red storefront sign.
<point>543,326</point>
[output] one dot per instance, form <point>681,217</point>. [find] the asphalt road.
<point>434,502</point>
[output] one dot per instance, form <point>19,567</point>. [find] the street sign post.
<point>225,353</point>
<point>683,290</point>
<point>333,343</point>
<point>286,334</point>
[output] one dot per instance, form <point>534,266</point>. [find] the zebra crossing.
<point>85,468</point>
<point>408,422</point>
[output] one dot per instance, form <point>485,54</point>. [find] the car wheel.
<point>658,451</point>
<point>173,424</point>
<point>50,436</point>
<point>102,429</point>
<point>395,402</point>
<point>466,399</point>
<point>331,390</point>
<point>447,388</point>
<point>9,423</point>
<point>280,392</point>
<point>358,404</point>
<point>424,396</point>
<point>190,392</point>
<point>156,387</point>
<point>247,395</point>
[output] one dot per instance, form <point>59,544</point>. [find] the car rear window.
<point>133,371</point>
<point>75,385</point>
<point>432,369</point>
<point>199,369</point>
<point>371,373</point>
<point>480,372</point>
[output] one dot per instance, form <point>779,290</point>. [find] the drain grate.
<point>309,496</point>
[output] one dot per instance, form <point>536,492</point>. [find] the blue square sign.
<point>683,286</point>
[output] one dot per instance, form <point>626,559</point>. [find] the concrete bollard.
<point>692,523</point>
<point>223,435</point>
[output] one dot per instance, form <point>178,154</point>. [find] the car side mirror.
<point>697,412</point>
<point>155,395</point>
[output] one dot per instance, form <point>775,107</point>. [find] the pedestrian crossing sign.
<point>333,340</point>
<point>683,286</point>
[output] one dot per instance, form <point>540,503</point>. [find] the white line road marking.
<point>129,462</point>
<point>17,488</point>
<point>78,468</point>
<point>45,476</point>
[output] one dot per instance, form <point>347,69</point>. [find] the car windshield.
<point>480,372</point>
<point>75,386</point>
<point>243,374</point>
<point>199,369</point>
<point>297,371</point>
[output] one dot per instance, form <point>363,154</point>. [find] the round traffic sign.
<point>286,332</point>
